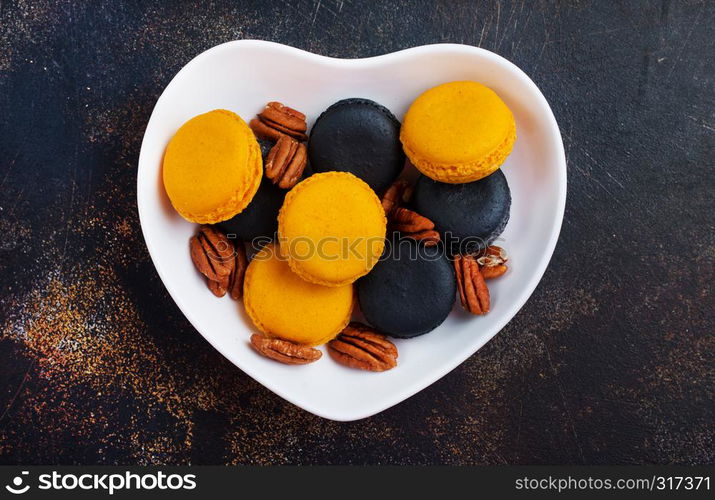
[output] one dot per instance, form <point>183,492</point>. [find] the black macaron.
<point>410,291</point>
<point>260,217</point>
<point>469,216</point>
<point>361,137</point>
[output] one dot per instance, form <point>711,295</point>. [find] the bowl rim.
<point>513,307</point>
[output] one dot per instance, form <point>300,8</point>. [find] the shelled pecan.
<point>235,282</point>
<point>212,253</point>
<point>492,261</point>
<point>473,291</point>
<point>219,288</point>
<point>394,196</point>
<point>221,260</point>
<point>413,225</point>
<point>491,272</point>
<point>492,256</point>
<point>277,120</point>
<point>284,351</point>
<point>359,346</point>
<point>286,161</point>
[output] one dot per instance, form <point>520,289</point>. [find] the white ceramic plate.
<point>244,75</point>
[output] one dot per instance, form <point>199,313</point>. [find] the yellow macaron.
<point>458,132</point>
<point>212,167</point>
<point>331,228</point>
<point>283,305</point>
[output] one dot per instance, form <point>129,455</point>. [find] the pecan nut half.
<point>492,261</point>
<point>394,196</point>
<point>414,225</point>
<point>286,161</point>
<point>232,283</point>
<point>219,288</point>
<point>359,346</point>
<point>212,253</point>
<point>492,256</point>
<point>277,120</point>
<point>235,282</point>
<point>473,291</point>
<point>222,261</point>
<point>284,351</point>
<point>491,272</point>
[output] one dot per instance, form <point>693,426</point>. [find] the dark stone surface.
<point>610,361</point>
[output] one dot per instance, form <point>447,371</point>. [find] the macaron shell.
<point>476,213</point>
<point>260,217</point>
<point>458,132</point>
<point>283,305</point>
<point>358,136</point>
<point>332,228</point>
<point>212,167</point>
<point>405,296</point>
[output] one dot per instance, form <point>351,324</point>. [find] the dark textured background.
<point>610,361</point>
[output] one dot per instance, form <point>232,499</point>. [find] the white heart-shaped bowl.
<point>243,76</point>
